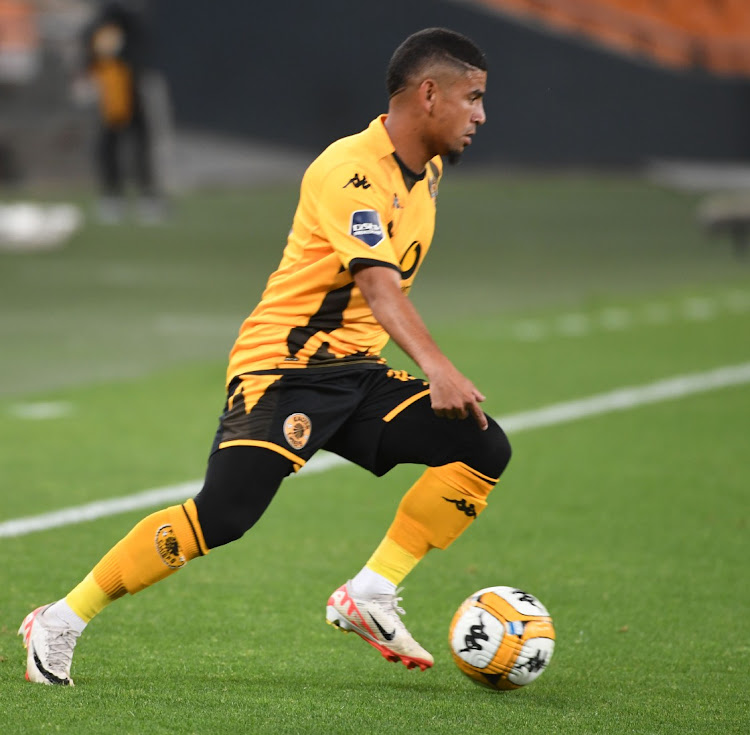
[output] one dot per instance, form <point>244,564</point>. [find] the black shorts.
<point>372,415</point>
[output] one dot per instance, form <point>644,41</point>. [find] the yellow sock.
<point>156,547</point>
<point>392,561</point>
<point>439,507</point>
<point>87,599</point>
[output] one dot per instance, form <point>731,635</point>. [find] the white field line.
<point>612,318</point>
<point>622,399</point>
<point>41,411</point>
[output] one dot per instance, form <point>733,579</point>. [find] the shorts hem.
<point>298,461</point>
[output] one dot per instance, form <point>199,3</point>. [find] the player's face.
<point>458,112</point>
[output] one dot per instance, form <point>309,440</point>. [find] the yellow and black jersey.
<point>111,72</point>
<point>114,81</point>
<point>114,52</point>
<point>358,205</point>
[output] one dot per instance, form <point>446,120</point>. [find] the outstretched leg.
<point>240,483</point>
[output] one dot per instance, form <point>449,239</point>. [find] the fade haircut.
<point>430,45</point>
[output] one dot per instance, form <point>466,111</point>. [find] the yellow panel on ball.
<point>502,637</point>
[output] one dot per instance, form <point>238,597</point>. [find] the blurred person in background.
<point>115,48</point>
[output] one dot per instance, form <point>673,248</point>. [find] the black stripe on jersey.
<point>434,169</point>
<point>327,318</point>
<point>356,262</point>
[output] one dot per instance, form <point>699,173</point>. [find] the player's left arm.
<point>452,394</point>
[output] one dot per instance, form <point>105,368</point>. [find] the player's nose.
<point>480,116</point>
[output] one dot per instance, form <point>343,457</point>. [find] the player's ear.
<point>427,94</point>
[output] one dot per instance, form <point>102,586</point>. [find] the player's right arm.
<point>452,394</point>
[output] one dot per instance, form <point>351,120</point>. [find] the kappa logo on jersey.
<point>365,225</point>
<point>297,428</point>
<point>357,182</point>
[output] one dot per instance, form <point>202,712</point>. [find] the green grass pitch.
<point>632,527</point>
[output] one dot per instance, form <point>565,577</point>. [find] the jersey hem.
<point>379,363</point>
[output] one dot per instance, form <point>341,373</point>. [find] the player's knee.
<point>491,453</point>
<point>240,484</point>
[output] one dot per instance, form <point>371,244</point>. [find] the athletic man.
<point>115,52</point>
<point>306,372</point>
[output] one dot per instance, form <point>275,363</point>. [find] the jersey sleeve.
<point>353,215</point>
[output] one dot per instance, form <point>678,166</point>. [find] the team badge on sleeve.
<point>365,226</point>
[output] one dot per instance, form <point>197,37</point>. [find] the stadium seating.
<point>713,35</point>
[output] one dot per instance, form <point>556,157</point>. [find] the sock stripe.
<point>192,528</point>
<point>479,475</point>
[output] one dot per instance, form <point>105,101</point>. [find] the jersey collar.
<point>381,141</point>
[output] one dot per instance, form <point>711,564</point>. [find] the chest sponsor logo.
<point>410,260</point>
<point>365,225</point>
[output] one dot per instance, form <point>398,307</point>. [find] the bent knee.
<point>491,453</point>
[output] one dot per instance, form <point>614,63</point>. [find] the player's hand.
<point>454,396</point>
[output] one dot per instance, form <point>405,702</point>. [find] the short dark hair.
<point>430,44</point>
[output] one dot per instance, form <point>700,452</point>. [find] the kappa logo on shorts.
<point>365,225</point>
<point>168,547</point>
<point>297,428</point>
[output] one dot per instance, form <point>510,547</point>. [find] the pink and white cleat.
<point>50,645</point>
<point>377,620</point>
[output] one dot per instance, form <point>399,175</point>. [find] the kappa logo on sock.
<point>463,506</point>
<point>168,547</point>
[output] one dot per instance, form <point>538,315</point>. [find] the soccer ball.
<point>502,637</point>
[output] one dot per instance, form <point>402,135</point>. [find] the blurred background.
<point>573,82</point>
<point>151,150</point>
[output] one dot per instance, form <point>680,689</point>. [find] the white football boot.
<point>377,620</point>
<point>49,645</point>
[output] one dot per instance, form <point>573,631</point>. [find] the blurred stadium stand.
<point>40,131</point>
<point>687,34</point>
<point>255,90</point>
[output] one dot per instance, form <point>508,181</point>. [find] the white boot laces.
<point>60,645</point>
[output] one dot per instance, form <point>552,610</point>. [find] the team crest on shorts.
<point>168,547</point>
<point>297,427</point>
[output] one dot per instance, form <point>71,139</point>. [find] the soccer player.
<point>306,373</point>
<point>115,69</point>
